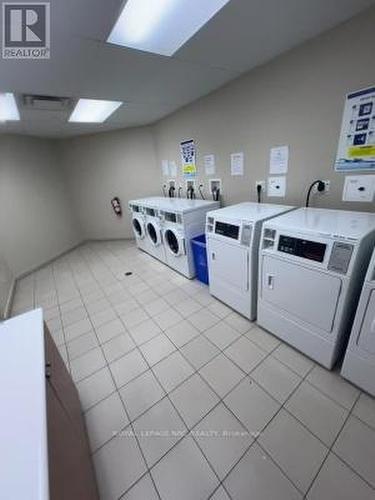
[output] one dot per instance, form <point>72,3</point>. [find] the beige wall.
<point>6,281</point>
<point>36,219</point>
<point>297,99</point>
<point>102,166</point>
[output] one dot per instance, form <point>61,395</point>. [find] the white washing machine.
<point>233,235</point>
<point>359,361</point>
<point>153,228</point>
<point>311,270</point>
<point>183,219</point>
<point>138,223</point>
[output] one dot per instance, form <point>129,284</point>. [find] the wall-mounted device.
<point>276,187</point>
<point>317,187</point>
<point>116,206</point>
<point>359,188</point>
<point>171,188</point>
<point>190,189</point>
<point>216,189</point>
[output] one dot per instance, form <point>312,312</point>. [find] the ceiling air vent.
<point>46,102</point>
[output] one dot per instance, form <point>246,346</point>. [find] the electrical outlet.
<point>190,183</point>
<point>327,188</point>
<point>216,184</point>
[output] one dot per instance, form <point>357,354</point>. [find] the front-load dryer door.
<point>138,227</point>
<point>366,339</point>
<point>304,293</point>
<point>174,242</point>
<point>228,267</point>
<point>154,234</point>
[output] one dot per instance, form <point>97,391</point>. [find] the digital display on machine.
<point>228,230</point>
<point>150,212</point>
<point>306,249</point>
<point>170,217</point>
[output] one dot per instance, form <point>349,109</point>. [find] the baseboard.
<point>9,302</point>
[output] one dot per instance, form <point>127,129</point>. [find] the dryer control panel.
<point>335,256</point>
<point>306,249</point>
<point>236,232</point>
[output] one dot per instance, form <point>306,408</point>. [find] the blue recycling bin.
<point>200,258</point>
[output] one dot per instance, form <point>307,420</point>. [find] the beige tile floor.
<point>184,399</point>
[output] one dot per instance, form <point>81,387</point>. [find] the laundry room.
<point>187,250</point>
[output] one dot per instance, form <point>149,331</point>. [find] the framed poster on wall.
<point>356,149</point>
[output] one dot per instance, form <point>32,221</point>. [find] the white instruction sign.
<point>236,163</point>
<point>165,168</point>
<point>279,159</point>
<point>209,164</point>
<point>356,149</point>
<point>173,169</point>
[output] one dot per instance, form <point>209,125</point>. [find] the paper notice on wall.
<point>237,163</point>
<point>279,160</point>
<point>165,168</point>
<point>209,164</point>
<point>356,149</point>
<point>188,158</point>
<point>173,169</point>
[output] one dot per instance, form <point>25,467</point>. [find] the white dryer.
<point>183,219</point>
<point>138,223</point>
<point>312,266</point>
<point>153,228</point>
<point>359,361</point>
<point>233,235</point>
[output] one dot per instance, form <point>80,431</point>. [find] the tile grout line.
<point>221,351</point>
<point>134,434</point>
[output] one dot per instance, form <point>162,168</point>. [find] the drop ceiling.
<point>244,34</point>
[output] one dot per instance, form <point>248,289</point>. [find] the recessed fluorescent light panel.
<point>162,26</point>
<point>93,110</point>
<point>8,108</point>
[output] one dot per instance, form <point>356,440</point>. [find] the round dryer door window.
<point>151,231</point>
<point>172,241</point>
<point>138,229</point>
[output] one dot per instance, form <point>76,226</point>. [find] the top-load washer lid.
<point>175,243</point>
<point>154,233</point>
<point>138,226</point>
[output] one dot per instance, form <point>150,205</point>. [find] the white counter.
<point>23,417</point>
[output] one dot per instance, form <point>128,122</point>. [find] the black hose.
<point>200,192</point>
<point>259,192</point>
<point>321,188</point>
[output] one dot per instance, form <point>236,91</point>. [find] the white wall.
<point>36,219</point>
<point>102,166</point>
<point>296,99</point>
